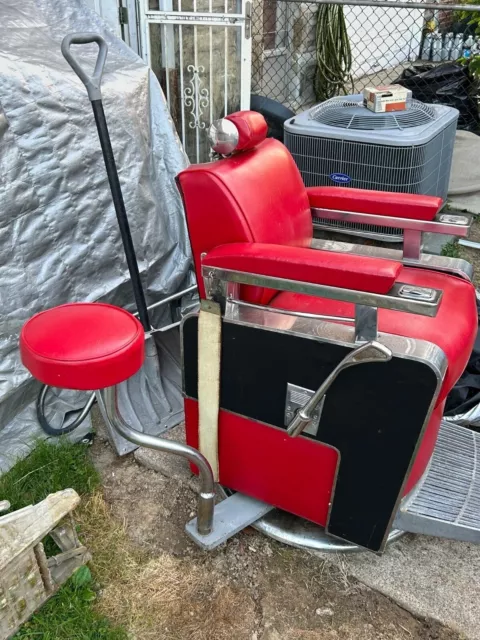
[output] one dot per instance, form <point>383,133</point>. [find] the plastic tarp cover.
<point>59,240</point>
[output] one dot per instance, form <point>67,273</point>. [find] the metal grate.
<point>345,114</point>
<point>451,489</point>
<point>360,228</point>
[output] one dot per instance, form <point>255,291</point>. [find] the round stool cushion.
<point>86,346</point>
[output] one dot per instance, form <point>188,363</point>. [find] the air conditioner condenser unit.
<point>341,143</point>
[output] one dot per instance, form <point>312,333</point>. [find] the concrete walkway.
<point>429,577</point>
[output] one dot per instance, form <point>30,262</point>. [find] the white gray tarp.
<point>464,186</point>
<point>58,236</point>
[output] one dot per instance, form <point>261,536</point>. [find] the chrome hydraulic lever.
<point>369,352</point>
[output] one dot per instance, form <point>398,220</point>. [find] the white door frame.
<point>133,31</point>
<point>196,97</point>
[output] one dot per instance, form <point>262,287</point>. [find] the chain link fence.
<point>306,52</point>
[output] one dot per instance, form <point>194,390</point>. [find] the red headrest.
<point>252,128</point>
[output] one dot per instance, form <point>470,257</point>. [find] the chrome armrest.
<point>445,223</point>
<point>223,285</point>
<point>401,297</point>
<point>456,266</point>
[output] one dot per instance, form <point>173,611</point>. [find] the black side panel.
<point>373,413</point>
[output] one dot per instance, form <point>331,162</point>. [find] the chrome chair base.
<point>299,533</point>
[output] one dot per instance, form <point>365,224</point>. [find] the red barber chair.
<point>334,361</point>
<point>315,372</point>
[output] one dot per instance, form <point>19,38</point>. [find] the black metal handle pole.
<point>119,205</point>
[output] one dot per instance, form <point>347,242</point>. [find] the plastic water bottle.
<point>457,49</point>
<point>427,47</point>
<point>468,46</point>
<point>447,47</point>
<point>436,47</point>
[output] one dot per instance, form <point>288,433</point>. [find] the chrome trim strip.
<point>441,224</point>
<point>287,312</point>
<point>333,333</point>
<point>391,300</point>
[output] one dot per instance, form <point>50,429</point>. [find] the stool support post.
<point>206,500</point>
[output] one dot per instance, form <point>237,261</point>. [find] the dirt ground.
<point>251,588</point>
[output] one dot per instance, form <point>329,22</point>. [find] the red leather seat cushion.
<point>85,346</point>
<point>453,329</point>
<point>360,273</point>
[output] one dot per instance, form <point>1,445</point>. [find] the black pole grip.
<point>122,219</point>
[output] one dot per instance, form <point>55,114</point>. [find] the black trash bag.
<point>466,393</point>
<point>450,84</point>
<point>274,113</point>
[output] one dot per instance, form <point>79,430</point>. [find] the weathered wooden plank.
<point>26,527</point>
<point>27,577</point>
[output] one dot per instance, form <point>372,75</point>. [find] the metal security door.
<point>200,50</point>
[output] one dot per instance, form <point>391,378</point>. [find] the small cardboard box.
<point>391,97</point>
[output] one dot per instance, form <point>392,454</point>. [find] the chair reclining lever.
<point>369,352</point>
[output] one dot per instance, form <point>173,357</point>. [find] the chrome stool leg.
<point>206,500</point>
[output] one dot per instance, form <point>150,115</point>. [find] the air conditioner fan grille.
<point>345,113</point>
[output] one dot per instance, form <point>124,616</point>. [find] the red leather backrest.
<point>253,196</point>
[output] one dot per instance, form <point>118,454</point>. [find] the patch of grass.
<point>128,594</point>
<point>69,615</point>
<point>451,249</point>
<point>47,469</point>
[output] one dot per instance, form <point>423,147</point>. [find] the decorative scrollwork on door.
<point>196,98</point>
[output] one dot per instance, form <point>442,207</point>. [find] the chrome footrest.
<point>447,501</point>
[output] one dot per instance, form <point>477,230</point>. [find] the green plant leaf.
<point>474,66</point>
<point>82,576</point>
<point>88,595</point>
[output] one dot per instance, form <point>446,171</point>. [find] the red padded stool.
<point>85,346</point>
